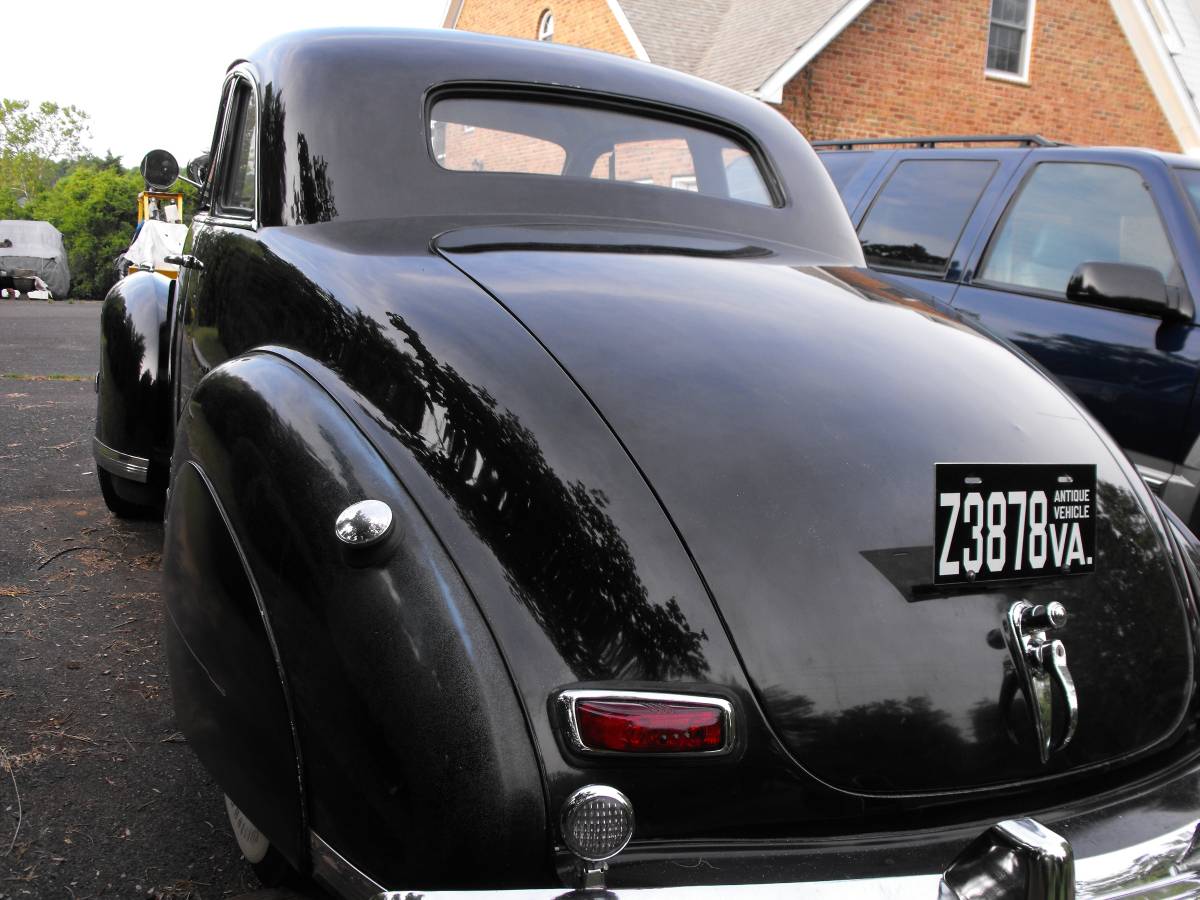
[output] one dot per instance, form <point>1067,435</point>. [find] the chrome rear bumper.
<point>1023,860</point>
<point>1143,841</point>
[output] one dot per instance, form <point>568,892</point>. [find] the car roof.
<point>351,107</point>
<point>449,55</point>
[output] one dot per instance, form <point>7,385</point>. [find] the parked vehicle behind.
<point>553,498</point>
<point>1088,258</point>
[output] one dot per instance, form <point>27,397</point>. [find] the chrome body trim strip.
<point>567,700</point>
<point>911,887</point>
<point>134,468</point>
<point>1165,866</point>
<point>339,875</point>
<point>1153,477</point>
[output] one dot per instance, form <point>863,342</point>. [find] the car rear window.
<point>534,137</point>
<point>916,220</point>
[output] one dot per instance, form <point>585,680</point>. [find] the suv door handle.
<point>185,261</point>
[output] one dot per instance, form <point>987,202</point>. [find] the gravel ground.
<point>100,795</point>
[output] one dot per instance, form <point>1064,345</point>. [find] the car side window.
<point>239,156</point>
<point>1072,213</point>
<point>917,218</point>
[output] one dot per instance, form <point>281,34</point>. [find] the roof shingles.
<point>737,43</point>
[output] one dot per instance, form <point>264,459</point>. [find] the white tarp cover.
<point>154,242</point>
<point>36,247</point>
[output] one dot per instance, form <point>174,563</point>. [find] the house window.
<point>546,26</point>
<point>1008,38</point>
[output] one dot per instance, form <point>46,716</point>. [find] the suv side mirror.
<point>1124,286</point>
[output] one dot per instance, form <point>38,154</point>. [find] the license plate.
<point>995,522</point>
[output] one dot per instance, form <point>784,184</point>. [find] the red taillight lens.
<point>638,726</point>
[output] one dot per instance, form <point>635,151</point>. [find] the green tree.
<point>96,211</point>
<point>31,141</point>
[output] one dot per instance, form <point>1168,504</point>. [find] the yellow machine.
<point>156,204</point>
<point>160,205</point>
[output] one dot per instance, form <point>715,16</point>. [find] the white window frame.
<point>1021,77</point>
<point>545,31</point>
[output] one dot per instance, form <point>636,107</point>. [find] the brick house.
<point>1082,71</point>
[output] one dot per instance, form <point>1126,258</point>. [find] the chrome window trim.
<point>241,73</point>
<point>567,700</point>
<point>238,216</point>
<point>124,465</point>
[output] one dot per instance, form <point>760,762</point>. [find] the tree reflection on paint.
<point>312,198</point>
<point>562,553</point>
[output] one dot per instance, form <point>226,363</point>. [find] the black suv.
<point>1086,257</point>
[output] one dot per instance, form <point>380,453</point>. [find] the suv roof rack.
<point>1024,140</point>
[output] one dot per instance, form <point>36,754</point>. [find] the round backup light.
<point>597,822</point>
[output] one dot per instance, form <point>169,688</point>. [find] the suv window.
<point>241,144</point>
<point>1071,213</point>
<point>843,166</point>
<point>917,218</point>
<point>1191,184</point>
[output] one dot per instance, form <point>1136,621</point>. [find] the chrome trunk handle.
<point>1040,670</point>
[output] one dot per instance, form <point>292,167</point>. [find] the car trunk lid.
<point>790,420</point>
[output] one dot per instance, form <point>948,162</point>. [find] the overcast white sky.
<point>144,91</point>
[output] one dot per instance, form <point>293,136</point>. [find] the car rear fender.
<point>411,752</point>
<point>133,432</point>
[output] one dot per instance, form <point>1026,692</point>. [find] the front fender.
<point>415,757</point>
<point>133,430</point>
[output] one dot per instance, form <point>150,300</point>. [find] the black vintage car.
<point>553,498</point>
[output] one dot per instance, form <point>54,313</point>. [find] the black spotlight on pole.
<point>159,170</point>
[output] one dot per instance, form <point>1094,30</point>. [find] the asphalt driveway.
<point>100,795</point>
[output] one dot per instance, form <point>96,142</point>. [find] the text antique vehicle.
<point>552,498</point>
